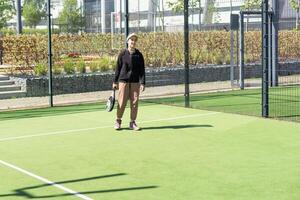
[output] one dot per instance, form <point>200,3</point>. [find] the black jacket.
<point>130,67</point>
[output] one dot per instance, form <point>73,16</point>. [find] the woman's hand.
<point>115,86</point>
<point>142,88</point>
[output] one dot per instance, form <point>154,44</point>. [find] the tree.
<point>252,5</point>
<point>209,8</point>
<point>33,12</point>
<point>6,12</point>
<point>155,5</point>
<point>70,18</point>
<point>177,6</point>
<point>295,4</point>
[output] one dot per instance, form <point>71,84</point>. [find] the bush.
<point>218,59</point>
<point>57,70</point>
<point>104,64</point>
<point>80,66</point>
<point>94,66</point>
<point>247,59</point>
<point>69,67</point>
<point>28,31</point>
<point>8,31</point>
<point>227,59</point>
<point>23,50</point>
<point>113,63</point>
<point>41,69</point>
<point>31,31</point>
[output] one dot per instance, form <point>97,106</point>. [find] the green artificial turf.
<point>180,154</point>
<point>284,102</point>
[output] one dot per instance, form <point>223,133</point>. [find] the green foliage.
<point>57,70</point>
<point>100,65</point>
<point>33,11</point>
<point>41,69</point>
<point>295,5</point>
<point>252,5</point>
<point>94,67</point>
<point>159,49</point>
<point>69,67</point>
<point>104,64</point>
<point>70,18</point>
<point>113,63</point>
<point>211,10</point>
<point>178,6</point>
<point>218,58</point>
<point>28,31</point>
<point>80,66</point>
<point>8,31</point>
<point>227,59</point>
<point>39,31</point>
<point>6,12</point>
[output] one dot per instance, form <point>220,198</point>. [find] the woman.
<point>130,80</point>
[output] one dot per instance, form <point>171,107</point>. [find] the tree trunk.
<point>200,11</point>
<point>152,14</point>
<point>297,16</point>
<point>208,11</point>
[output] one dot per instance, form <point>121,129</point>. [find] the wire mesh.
<point>85,50</point>
<point>284,96</point>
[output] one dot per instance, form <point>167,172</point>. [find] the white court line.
<point>67,190</point>
<point>73,131</point>
<point>100,127</point>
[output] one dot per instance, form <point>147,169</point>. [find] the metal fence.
<point>85,49</point>
<point>284,95</point>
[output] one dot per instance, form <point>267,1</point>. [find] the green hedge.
<point>159,49</point>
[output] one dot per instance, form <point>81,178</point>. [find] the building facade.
<point>106,16</point>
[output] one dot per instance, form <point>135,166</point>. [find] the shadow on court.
<point>177,127</point>
<point>172,127</point>
<point>25,192</point>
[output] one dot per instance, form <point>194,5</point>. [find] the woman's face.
<point>132,42</point>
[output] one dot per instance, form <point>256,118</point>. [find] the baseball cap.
<point>131,35</point>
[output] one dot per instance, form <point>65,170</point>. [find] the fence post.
<point>186,53</point>
<point>242,62</point>
<point>275,43</point>
<point>126,22</point>
<point>50,54</point>
<point>265,59</point>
